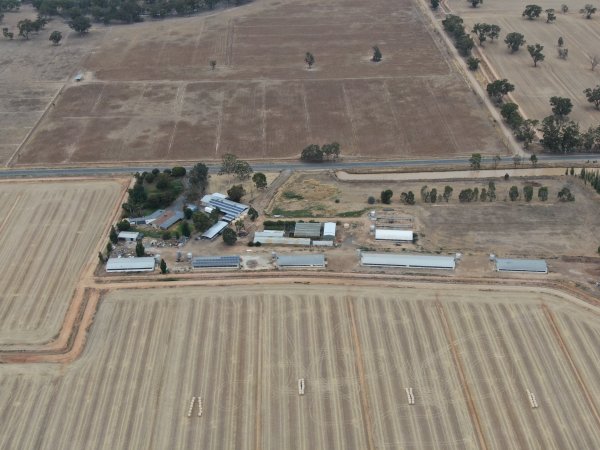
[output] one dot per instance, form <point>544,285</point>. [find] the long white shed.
<point>407,260</point>
<point>390,234</point>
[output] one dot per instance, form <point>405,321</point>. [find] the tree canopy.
<point>593,96</point>
<point>499,88</point>
<point>514,41</point>
<point>532,12</point>
<point>535,51</point>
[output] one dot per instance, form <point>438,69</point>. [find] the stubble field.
<point>150,95</point>
<point>553,77</point>
<point>48,231</point>
<point>470,354</point>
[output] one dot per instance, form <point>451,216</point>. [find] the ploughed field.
<point>554,76</point>
<point>48,232</point>
<point>149,93</point>
<point>469,353</point>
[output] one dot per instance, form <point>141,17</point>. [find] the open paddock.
<point>48,232</point>
<point>469,354</point>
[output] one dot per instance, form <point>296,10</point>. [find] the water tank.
<point>189,256</point>
<point>157,257</point>
<point>492,257</point>
<point>372,228</point>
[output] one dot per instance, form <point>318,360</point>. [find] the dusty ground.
<point>48,232</point>
<point>469,354</point>
<point>553,77</point>
<point>149,93</point>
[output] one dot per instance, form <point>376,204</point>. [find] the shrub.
<point>386,196</point>
<point>371,200</point>
<point>124,225</point>
<point>178,171</point>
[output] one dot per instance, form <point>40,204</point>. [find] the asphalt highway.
<point>276,166</point>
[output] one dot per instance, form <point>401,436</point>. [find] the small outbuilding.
<point>269,233</point>
<point>129,236</point>
<point>313,260</point>
<point>521,265</point>
<point>168,219</point>
<point>390,234</point>
<point>281,240</point>
<point>329,231</point>
<point>143,264</point>
<point>407,261</point>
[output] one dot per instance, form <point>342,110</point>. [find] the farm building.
<point>521,265</point>
<point>390,234</point>
<point>144,264</point>
<point>147,220</point>
<point>168,219</point>
<point>329,231</point>
<point>322,243</point>
<point>300,260</point>
<point>215,230</point>
<point>407,261</point>
<point>269,233</point>
<point>280,240</point>
<point>216,262</point>
<point>129,236</point>
<point>307,230</point>
<point>231,209</point>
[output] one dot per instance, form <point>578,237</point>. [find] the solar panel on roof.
<point>215,261</point>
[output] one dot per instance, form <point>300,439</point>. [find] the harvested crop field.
<point>554,76</point>
<point>48,232</point>
<point>150,94</point>
<point>470,354</point>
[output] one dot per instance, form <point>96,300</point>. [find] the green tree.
<point>533,159</point>
<point>25,27</point>
<point>309,59</point>
<point>81,24</point>
<point>517,160</point>
<point>593,96</point>
<point>331,151</point>
<point>528,193</point>
<point>312,153</point>
<point>498,89</point>
<point>229,236</point>
<point>184,229</point>
<point>482,31</point>
<point>8,34</point>
<point>496,160</point>
<point>475,161</point>
<point>109,248</point>
<point>166,235</point>
<point>228,164</point>
<point>163,266</point>
<point>475,3</point>
<point>561,41</point>
<point>447,193</point>
<point>253,214</point>
<point>198,178</point>
<point>494,32</point>
<point>535,51</point>
<point>561,107</point>
<point>407,198</point>
<point>187,213</point>
<point>473,63</point>
<point>464,44</point>
<point>202,221</point>
<point>213,64</point>
<point>242,169</point>
<point>491,193</point>
<point>139,249</point>
<point>564,8</point>
<point>550,15</point>
<point>55,37</point>
<point>376,54</point>
<point>532,12</point>
<point>513,193</point>
<point>386,196</point>
<point>435,4</point>
<point>588,10</point>
<point>178,172</point>
<point>543,193</point>
<point>124,225</point>
<point>514,41</point>
<point>101,258</point>
<point>565,195</point>
<point>433,195</point>
<point>113,236</point>
<point>260,180</point>
<point>510,112</point>
<point>560,136</point>
<point>526,132</point>
<point>236,192</point>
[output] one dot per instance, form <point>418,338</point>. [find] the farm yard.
<point>554,76</point>
<point>48,232</point>
<point>470,355</point>
<point>149,93</point>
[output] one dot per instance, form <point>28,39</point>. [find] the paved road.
<point>264,167</point>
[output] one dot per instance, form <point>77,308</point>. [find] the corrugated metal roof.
<point>329,229</point>
<point>412,261</point>
<point>213,231</point>
<point>149,218</point>
<point>307,229</point>
<point>322,243</point>
<point>311,260</point>
<point>521,265</point>
<point>171,218</point>
<point>390,234</point>
<point>144,264</point>
<point>128,235</point>
<point>206,262</point>
<point>281,240</point>
<point>231,209</point>
<point>269,233</point>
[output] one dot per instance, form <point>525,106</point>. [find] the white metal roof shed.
<point>128,235</point>
<point>408,261</point>
<point>269,233</point>
<point>390,234</point>
<point>521,265</point>
<point>307,230</point>
<point>281,240</point>
<point>215,230</point>
<point>299,260</point>
<point>144,264</point>
<point>329,230</point>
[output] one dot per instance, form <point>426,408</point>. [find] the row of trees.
<point>154,190</point>
<point>592,177</point>
<point>532,12</point>
<point>315,153</point>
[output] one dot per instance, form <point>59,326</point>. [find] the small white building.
<point>390,234</point>
<point>329,231</point>
<point>128,236</point>
<point>407,261</point>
